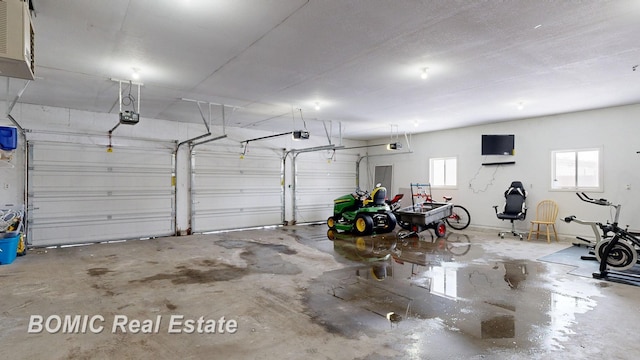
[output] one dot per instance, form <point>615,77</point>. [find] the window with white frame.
<point>576,169</point>
<point>443,172</point>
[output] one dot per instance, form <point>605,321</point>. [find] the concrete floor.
<point>291,293</point>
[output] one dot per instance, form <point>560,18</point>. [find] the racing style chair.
<point>515,207</point>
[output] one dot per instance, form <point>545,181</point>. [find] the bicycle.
<point>459,218</point>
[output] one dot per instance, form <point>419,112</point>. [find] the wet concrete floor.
<point>291,293</point>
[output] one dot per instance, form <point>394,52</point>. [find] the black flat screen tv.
<point>498,144</point>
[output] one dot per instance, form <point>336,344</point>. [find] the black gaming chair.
<point>515,207</point>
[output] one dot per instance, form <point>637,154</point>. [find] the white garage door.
<point>230,192</point>
<point>320,178</point>
<point>79,193</point>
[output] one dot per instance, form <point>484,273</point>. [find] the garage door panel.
<point>319,181</point>
<point>217,159</point>
<point>80,193</point>
<point>232,192</point>
<point>109,206</point>
<point>86,157</point>
<point>240,200</point>
<point>239,182</point>
<point>88,230</point>
<point>79,182</point>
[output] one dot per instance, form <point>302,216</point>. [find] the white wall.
<point>61,124</point>
<point>615,130</point>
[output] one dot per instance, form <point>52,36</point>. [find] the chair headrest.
<point>516,187</point>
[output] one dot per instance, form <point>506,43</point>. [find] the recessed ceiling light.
<point>537,26</point>
<point>424,75</point>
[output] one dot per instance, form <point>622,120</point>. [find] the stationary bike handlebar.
<point>584,197</point>
<point>603,202</point>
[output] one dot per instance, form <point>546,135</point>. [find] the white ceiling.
<point>360,59</point>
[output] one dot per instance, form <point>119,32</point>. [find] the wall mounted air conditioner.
<point>16,40</point>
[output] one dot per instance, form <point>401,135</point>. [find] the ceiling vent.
<point>16,40</point>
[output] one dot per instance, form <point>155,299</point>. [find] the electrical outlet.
<point>6,186</point>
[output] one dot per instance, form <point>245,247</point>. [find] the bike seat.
<point>447,198</point>
<point>395,199</point>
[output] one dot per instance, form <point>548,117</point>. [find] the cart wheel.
<point>440,229</point>
<point>331,222</point>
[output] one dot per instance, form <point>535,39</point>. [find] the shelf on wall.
<point>500,163</point>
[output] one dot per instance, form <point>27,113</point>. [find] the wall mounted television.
<point>498,144</point>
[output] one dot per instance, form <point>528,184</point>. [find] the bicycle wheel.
<point>458,243</point>
<point>459,218</point>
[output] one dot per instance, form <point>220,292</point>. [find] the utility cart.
<point>424,213</point>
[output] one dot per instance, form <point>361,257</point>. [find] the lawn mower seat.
<point>378,197</point>
<point>515,207</point>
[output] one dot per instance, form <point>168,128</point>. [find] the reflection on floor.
<point>295,293</point>
<point>421,279</point>
<point>451,283</point>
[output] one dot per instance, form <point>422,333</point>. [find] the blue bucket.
<point>8,138</point>
<point>8,249</point>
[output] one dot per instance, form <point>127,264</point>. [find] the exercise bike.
<point>605,228</point>
<point>618,252</point>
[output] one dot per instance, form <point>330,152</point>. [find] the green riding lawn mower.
<point>363,213</point>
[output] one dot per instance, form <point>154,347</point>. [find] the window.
<point>576,170</point>
<point>443,172</point>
